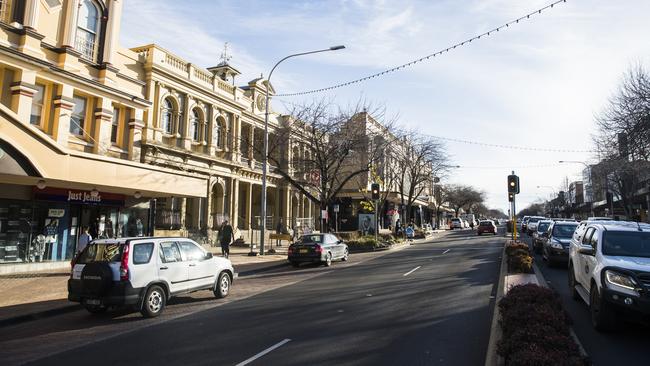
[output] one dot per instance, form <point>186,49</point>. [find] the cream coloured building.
<point>127,142</point>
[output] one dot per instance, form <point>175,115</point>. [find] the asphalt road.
<point>429,303</point>
<point>629,345</point>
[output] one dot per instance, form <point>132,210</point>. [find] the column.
<point>251,143</point>
<point>152,122</point>
<point>135,125</point>
<point>211,121</point>
<point>209,203</point>
<point>234,207</point>
<point>63,105</point>
<point>112,30</point>
<point>31,14</point>
<point>249,206</point>
<point>22,92</point>
<point>236,133</point>
<point>183,213</point>
<point>69,28</point>
<point>185,134</point>
<point>286,206</point>
<point>103,124</point>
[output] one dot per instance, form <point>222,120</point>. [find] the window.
<point>101,253</point>
<point>587,237</point>
<point>169,253</point>
<point>192,252</point>
<point>87,29</point>
<point>166,116</point>
<point>627,243</point>
<point>37,105</point>
<point>142,253</point>
<point>115,128</point>
<point>194,125</point>
<point>219,132</point>
<point>78,118</point>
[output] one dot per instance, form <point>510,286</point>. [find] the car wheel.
<point>345,256</point>
<point>95,309</point>
<point>328,259</point>
<point>572,284</point>
<point>602,316</point>
<point>222,287</point>
<point>154,302</point>
<point>295,264</point>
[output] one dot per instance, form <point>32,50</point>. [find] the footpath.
<point>35,295</point>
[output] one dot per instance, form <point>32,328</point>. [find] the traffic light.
<point>511,197</point>
<point>375,191</point>
<point>513,184</point>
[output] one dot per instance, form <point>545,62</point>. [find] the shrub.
<point>510,248</point>
<point>519,258</point>
<point>536,329</point>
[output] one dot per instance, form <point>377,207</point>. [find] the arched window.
<point>166,116</point>
<point>195,121</point>
<point>88,29</point>
<point>219,132</point>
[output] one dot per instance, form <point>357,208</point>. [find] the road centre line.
<point>411,271</point>
<point>446,251</point>
<point>280,344</point>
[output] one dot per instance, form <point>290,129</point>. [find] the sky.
<point>539,83</point>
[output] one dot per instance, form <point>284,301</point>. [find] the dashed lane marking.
<point>270,349</point>
<point>411,271</point>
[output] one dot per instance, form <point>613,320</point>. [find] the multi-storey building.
<point>127,142</point>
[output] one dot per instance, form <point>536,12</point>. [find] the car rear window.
<point>312,239</point>
<point>485,223</point>
<point>101,253</point>
<point>564,231</point>
<point>627,243</point>
<point>543,226</point>
<point>455,220</point>
<point>142,253</point>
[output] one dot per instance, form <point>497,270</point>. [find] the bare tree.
<point>419,160</point>
<point>463,197</point>
<point>328,147</point>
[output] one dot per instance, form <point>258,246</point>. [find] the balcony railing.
<point>86,46</point>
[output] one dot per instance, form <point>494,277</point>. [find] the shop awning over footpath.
<point>33,156</point>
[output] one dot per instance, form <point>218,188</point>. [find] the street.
<point>625,346</point>
<point>429,303</point>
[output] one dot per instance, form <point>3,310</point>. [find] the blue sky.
<point>539,83</point>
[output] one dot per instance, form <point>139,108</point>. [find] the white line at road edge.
<point>263,353</point>
<point>411,271</point>
<point>446,251</point>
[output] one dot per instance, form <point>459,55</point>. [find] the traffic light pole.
<point>514,218</point>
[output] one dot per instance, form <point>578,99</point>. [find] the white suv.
<point>609,268</point>
<point>145,273</point>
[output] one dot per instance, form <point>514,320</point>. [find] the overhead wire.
<point>429,56</point>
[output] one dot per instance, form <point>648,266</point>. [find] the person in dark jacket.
<point>226,236</point>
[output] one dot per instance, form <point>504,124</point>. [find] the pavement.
<point>429,303</point>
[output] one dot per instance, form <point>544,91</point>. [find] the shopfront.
<point>46,228</point>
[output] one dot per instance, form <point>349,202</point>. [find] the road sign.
<point>336,208</point>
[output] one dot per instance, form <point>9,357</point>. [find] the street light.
<point>266,136</point>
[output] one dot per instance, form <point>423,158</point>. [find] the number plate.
<point>303,251</point>
<point>93,302</point>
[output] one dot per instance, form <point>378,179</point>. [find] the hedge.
<point>536,329</point>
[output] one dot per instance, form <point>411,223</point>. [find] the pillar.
<point>103,124</point>
<point>286,206</point>
<point>135,125</point>
<point>249,206</point>
<point>251,140</point>
<point>236,131</point>
<point>211,120</point>
<point>185,134</point>
<point>63,105</point>
<point>22,92</point>
<point>30,40</point>
<point>234,207</point>
<point>183,213</point>
<point>70,23</point>
<point>112,30</point>
<point>152,121</point>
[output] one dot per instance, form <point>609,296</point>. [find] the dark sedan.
<point>555,249</point>
<point>317,248</point>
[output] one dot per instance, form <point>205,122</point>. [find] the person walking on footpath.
<point>84,239</point>
<point>226,236</point>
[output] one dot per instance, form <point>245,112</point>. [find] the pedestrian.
<point>410,231</point>
<point>84,238</point>
<point>226,236</point>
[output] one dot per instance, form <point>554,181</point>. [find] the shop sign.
<point>56,212</point>
<point>85,197</point>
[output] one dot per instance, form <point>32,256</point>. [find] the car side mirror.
<point>586,250</point>
<point>208,255</point>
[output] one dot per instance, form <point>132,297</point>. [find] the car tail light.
<point>124,265</point>
<point>290,250</point>
<point>318,249</point>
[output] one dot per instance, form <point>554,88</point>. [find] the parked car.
<point>609,268</point>
<point>145,273</point>
<point>486,226</point>
<point>456,223</point>
<point>317,248</point>
<point>539,235</point>
<point>531,225</point>
<point>555,247</point>
<point>563,219</point>
<point>524,223</point>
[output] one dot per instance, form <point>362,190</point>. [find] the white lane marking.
<point>411,271</point>
<point>263,353</point>
<point>446,251</point>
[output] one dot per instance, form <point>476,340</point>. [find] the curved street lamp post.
<point>266,140</point>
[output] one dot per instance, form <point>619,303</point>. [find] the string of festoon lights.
<point>511,147</point>
<point>430,56</point>
<point>535,166</point>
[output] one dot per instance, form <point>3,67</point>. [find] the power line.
<point>511,147</point>
<point>427,57</point>
<point>461,166</point>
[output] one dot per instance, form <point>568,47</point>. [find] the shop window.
<point>88,29</point>
<point>115,126</point>
<point>38,105</point>
<point>78,118</point>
